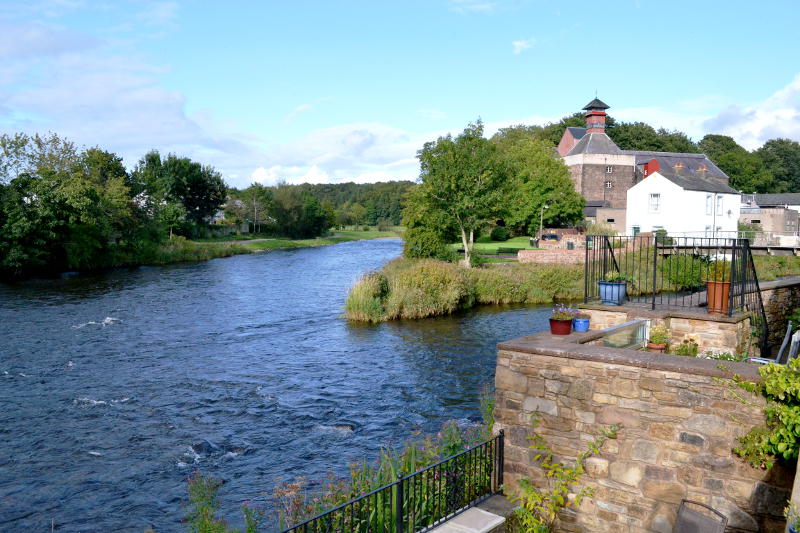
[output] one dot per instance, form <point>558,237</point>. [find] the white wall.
<point>680,211</point>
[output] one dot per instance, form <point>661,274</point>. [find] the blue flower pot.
<point>792,529</point>
<point>580,324</point>
<point>611,292</point>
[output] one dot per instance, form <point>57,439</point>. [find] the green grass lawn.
<point>485,246</point>
<point>340,236</point>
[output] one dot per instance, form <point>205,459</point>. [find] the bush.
<point>428,288</point>
<point>423,243</point>
<point>366,298</point>
<point>684,271</point>
<point>499,233</point>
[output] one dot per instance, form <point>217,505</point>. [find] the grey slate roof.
<point>577,133</point>
<point>595,143</point>
<point>698,183</point>
<point>691,162</point>
<point>596,104</point>
<point>769,200</point>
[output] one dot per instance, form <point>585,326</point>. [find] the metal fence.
<point>667,271</point>
<point>422,500</point>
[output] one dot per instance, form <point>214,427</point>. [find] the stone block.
<point>622,417</point>
<point>663,431</point>
<point>712,425</point>
<point>651,384</point>
<point>664,491</point>
<point>659,473</point>
<point>645,451</point>
<point>586,417</point>
<point>604,399</point>
<point>507,379</point>
<point>627,473</point>
<point>636,405</point>
<point>541,405</point>
<point>555,386</point>
<point>714,463</point>
<point>689,438</point>
<point>535,386</point>
<point>675,412</point>
<point>737,518</point>
<point>597,467</point>
<point>626,388</point>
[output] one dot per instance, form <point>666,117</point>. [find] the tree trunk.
<point>467,247</point>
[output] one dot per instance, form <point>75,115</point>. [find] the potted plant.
<point>613,289</point>
<point>580,322</point>
<point>718,287</point>
<point>561,320</point>
<point>658,339</point>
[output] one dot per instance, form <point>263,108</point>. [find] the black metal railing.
<point>666,271</point>
<point>422,500</point>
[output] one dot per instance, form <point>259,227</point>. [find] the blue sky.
<point>331,91</point>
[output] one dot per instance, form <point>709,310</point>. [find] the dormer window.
<point>609,169</point>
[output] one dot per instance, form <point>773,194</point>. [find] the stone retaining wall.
<point>564,257</point>
<point>780,299</point>
<point>678,422</point>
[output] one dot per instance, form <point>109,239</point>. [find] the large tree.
<point>464,178</point>
<point>747,172</point>
<point>782,159</point>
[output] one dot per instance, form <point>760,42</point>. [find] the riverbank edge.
<point>421,288</point>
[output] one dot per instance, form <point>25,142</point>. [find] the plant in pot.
<point>658,339</point>
<point>613,289</point>
<point>792,518</point>
<point>718,286</point>
<point>581,322</point>
<point>561,320</point>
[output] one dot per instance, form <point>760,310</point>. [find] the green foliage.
<point>641,136</point>
<point>614,276</point>
<point>539,505</point>
<point>684,271</point>
<point>204,504</point>
<point>366,298</point>
<point>719,270</point>
<point>687,348</point>
<point>428,288</point>
<point>562,312</point>
<point>779,438</point>
<point>500,234</point>
<point>422,242</point>
<point>659,335</point>
<point>782,159</point>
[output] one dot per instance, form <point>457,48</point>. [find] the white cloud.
<point>522,45</point>
<point>464,6</point>
<point>296,111</point>
<point>35,39</point>
<point>751,126</point>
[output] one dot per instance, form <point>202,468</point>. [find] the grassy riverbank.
<point>408,288</point>
<point>418,288</point>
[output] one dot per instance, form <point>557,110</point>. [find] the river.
<point>115,387</point>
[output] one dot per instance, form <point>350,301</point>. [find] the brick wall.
<point>678,426</point>
<point>564,257</point>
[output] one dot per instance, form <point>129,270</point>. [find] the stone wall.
<point>678,426</point>
<point>780,299</point>
<point>564,257</point>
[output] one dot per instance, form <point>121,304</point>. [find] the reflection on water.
<point>115,387</point>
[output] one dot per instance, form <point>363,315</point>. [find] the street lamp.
<point>541,220</point>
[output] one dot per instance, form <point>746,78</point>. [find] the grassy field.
<point>260,243</point>
<point>486,246</point>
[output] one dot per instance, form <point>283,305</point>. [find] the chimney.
<point>595,116</point>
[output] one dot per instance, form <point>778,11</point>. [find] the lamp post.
<point>541,220</point>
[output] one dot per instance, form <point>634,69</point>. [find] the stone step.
<point>473,520</point>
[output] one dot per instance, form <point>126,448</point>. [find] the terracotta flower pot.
<point>718,293</point>
<point>658,348</point>
<point>560,327</point>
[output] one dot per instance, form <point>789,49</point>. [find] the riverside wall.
<point>678,420</point>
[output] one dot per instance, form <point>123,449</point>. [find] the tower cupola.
<point>596,116</point>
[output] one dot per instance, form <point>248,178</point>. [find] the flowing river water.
<point>115,387</point>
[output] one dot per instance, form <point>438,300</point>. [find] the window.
<point>655,203</point>
<point>609,220</point>
<point>609,169</point>
<point>709,205</point>
<point>608,185</point>
<point>708,231</point>
<point>755,221</point>
<point>719,205</point>
<point>636,230</point>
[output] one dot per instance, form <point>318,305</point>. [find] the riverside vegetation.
<point>418,288</point>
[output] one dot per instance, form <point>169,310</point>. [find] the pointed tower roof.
<point>596,104</point>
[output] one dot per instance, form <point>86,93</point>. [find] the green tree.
<point>198,187</point>
<point>464,178</point>
<point>747,172</point>
<point>635,136</point>
<point>782,159</point>
<point>538,178</point>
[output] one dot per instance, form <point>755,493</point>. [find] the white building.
<point>682,205</point>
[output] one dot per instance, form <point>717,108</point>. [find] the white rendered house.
<point>682,205</point>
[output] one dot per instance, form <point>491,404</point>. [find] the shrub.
<point>500,233</point>
<point>687,348</point>
<point>428,288</point>
<point>423,243</point>
<point>366,299</point>
<point>659,335</point>
<point>683,271</point>
<point>719,271</point>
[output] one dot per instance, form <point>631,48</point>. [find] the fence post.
<point>500,458</point>
<point>586,272</point>
<point>655,272</point>
<point>398,504</point>
<point>736,280</point>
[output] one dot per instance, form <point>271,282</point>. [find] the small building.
<point>789,200</point>
<point>682,205</point>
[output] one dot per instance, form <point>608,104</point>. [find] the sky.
<point>333,91</point>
